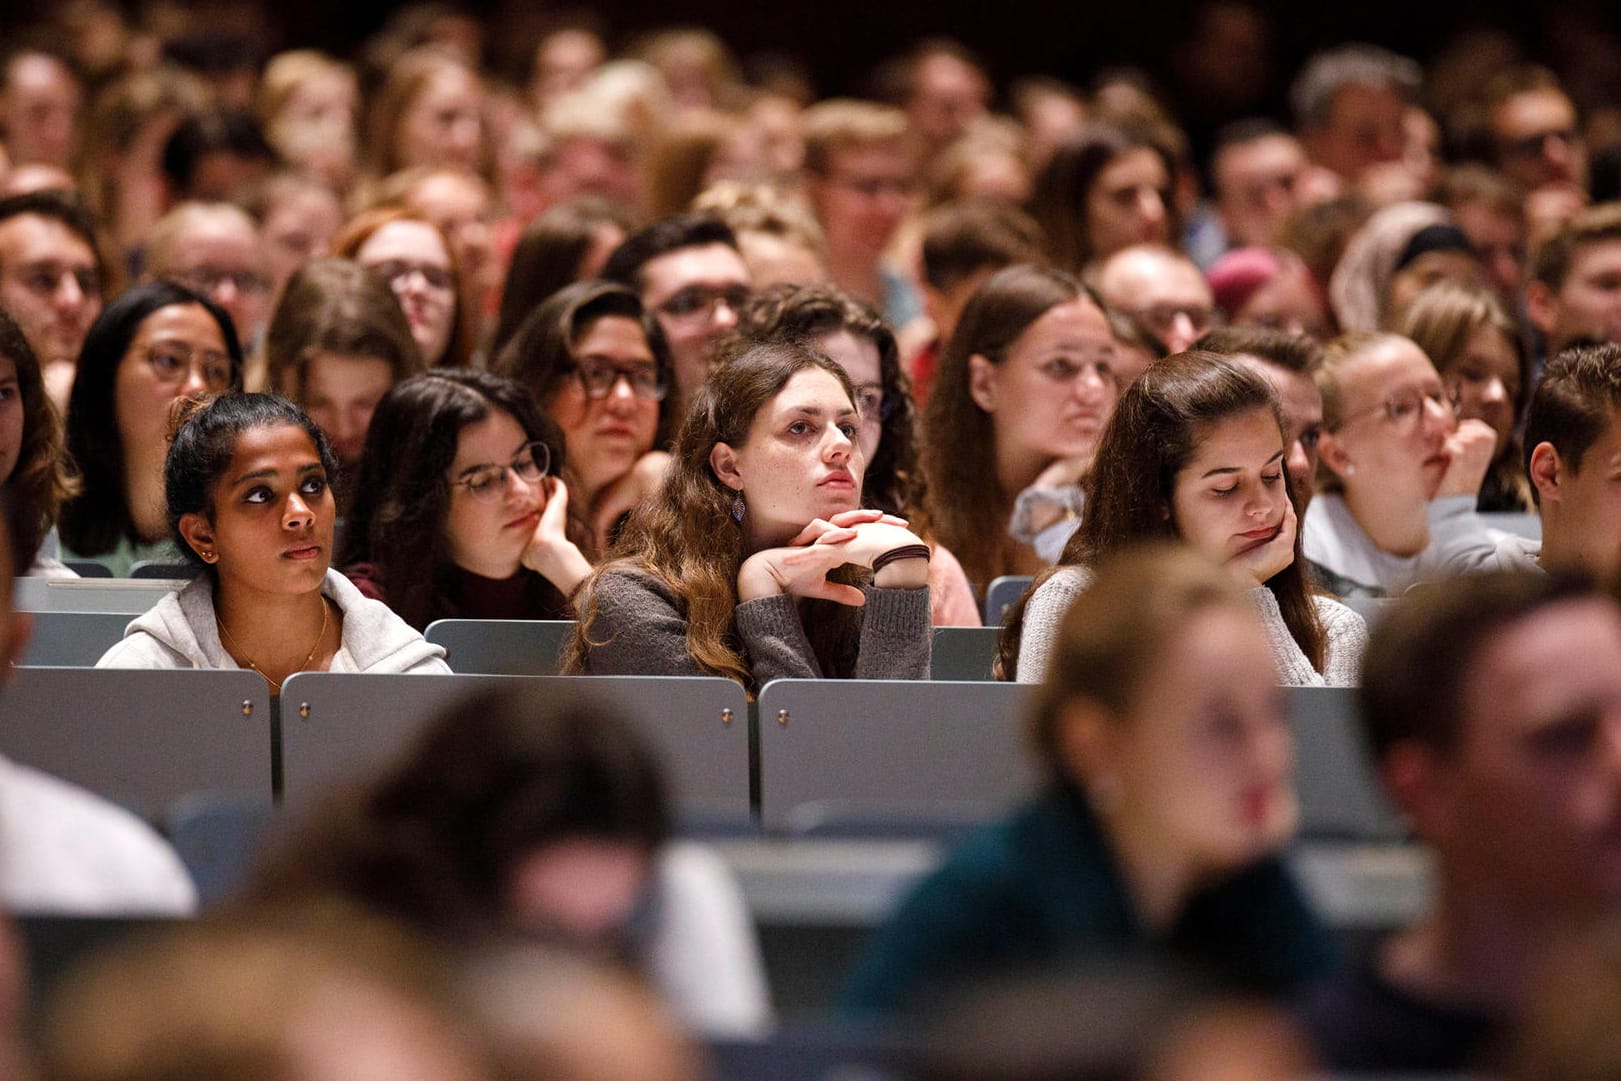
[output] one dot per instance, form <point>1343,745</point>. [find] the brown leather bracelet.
<point>905,551</point>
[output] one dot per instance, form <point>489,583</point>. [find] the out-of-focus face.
<point>1163,291</point>
<point>341,391</point>
<point>1485,382</point>
<point>774,260</point>
<point>49,284</point>
<point>459,204</point>
<point>606,435</point>
<point>39,105</point>
<point>696,294</point>
<point>801,460</point>
<point>1303,417</point>
<point>222,256</point>
<point>299,228</point>
<point>1391,439</point>
<point>1203,761</point>
<point>1052,395</point>
<point>948,95</point>
<point>178,352</point>
<point>1256,187</point>
<point>1498,237</point>
<point>1528,804</point>
<point>1365,128</point>
<point>859,359</point>
<point>582,888</point>
<point>1588,303</point>
<point>862,198</point>
<point>12,420</point>
<point>1425,271</point>
<point>413,257</point>
<point>316,125</point>
<point>1231,500</point>
<point>1288,302</point>
<point>494,507</point>
<point>1538,140</point>
<point>1129,203</point>
<point>563,62</point>
<point>444,123</point>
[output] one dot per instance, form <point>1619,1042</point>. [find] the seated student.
<point>1477,350</point>
<point>1573,441</point>
<point>1397,253</point>
<point>728,571</point>
<point>420,265</point>
<point>1024,389</point>
<point>1195,452</point>
<point>1169,799</point>
<point>460,510</point>
<point>337,341</point>
<point>542,820</point>
<point>250,505</point>
<point>1289,362</point>
<point>597,364</point>
<point>858,338</point>
<point>1492,704</point>
<point>34,470</point>
<point>1399,473</point>
<point>151,348</point>
<point>64,851</point>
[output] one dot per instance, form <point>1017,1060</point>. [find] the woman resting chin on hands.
<point>755,560</point>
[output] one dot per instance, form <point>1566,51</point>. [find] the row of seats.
<point>810,757</point>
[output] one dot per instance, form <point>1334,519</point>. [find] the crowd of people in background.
<point>753,383</point>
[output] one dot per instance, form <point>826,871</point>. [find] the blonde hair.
<point>842,123</point>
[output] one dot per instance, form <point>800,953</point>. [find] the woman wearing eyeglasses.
<point>598,367</point>
<point>418,262</point>
<point>154,346</point>
<point>249,502</point>
<point>1398,472</point>
<point>459,510</point>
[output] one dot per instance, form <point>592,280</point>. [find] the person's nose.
<point>1091,384</point>
<point>1151,206</point>
<point>297,513</point>
<point>1183,333</point>
<point>68,294</point>
<point>839,446</point>
<point>621,396</point>
<point>195,384</point>
<point>1298,464</point>
<point>725,316</point>
<point>1494,392</point>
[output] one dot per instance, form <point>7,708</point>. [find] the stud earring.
<point>208,557</point>
<point>738,508</point>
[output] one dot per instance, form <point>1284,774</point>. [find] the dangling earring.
<point>738,508</point>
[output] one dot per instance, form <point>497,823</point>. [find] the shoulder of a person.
<point>376,637</point>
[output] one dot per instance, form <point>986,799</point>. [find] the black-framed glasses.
<point>700,301</point>
<point>487,482</point>
<point>872,403</point>
<point>398,273</point>
<point>598,379</point>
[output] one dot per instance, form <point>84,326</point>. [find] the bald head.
<point>1160,288</point>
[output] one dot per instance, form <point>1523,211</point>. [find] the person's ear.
<point>723,460</point>
<point>1542,306</point>
<point>1547,471</point>
<point>198,532</point>
<point>982,382</point>
<point>1420,785</point>
<point>1086,741</point>
<point>1332,454</point>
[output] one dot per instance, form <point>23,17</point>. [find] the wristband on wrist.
<point>905,551</point>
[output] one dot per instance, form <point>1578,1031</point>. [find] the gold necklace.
<point>326,614</point>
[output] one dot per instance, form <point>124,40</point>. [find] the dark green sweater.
<point>1043,885</point>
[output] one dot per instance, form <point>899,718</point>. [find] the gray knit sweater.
<point>1342,658</point>
<point>640,628</point>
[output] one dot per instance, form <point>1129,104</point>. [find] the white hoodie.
<point>180,631</point>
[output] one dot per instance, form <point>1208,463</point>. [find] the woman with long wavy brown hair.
<point>38,476</point>
<point>745,565</point>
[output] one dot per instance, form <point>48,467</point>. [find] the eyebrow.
<point>261,474</point>
<point>1226,469</point>
<point>816,412</point>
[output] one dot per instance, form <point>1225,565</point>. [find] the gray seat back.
<point>963,653</point>
<point>142,738</point>
<point>501,647</point>
<point>73,639</point>
<point>337,725</point>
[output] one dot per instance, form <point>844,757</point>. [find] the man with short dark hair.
<point>52,279</point>
<point>692,278</point>
<point>1535,137</point>
<point>1493,706</point>
<point>1256,170</point>
<point>1573,456</point>
<point>1349,104</point>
